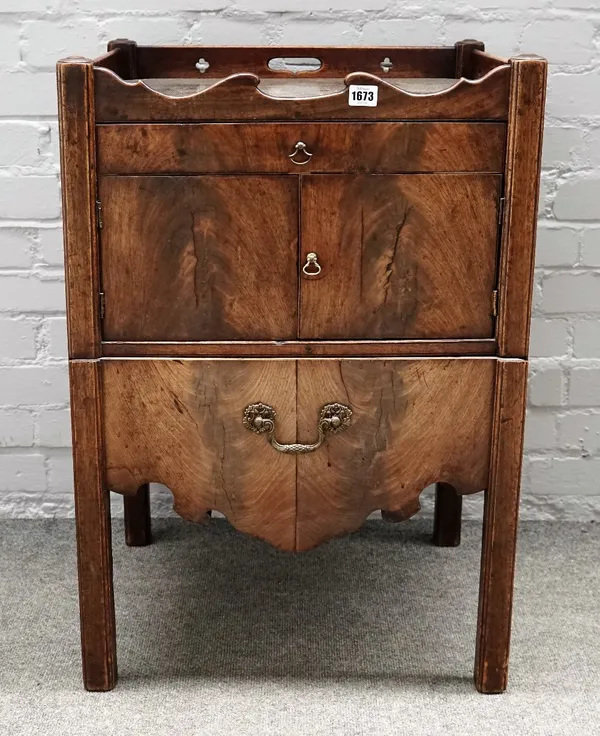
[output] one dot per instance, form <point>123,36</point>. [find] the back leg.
<point>138,530</point>
<point>447,516</point>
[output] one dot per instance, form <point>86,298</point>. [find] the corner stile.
<point>522,177</point>
<point>75,78</point>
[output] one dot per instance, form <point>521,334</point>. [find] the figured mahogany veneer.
<point>211,257</point>
<point>336,147</point>
<point>402,257</point>
<point>410,256</point>
<point>152,408</point>
<point>295,310</point>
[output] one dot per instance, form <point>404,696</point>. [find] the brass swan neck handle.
<point>300,155</point>
<point>260,418</point>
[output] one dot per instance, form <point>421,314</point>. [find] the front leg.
<point>92,510</point>
<point>500,529</point>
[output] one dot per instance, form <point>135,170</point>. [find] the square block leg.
<point>138,526</point>
<point>500,529</point>
<point>447,517</point>
<point>94,552</point>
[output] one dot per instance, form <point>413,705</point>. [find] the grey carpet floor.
<point>370,634</point>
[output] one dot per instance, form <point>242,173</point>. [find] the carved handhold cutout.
<point>295,65</point>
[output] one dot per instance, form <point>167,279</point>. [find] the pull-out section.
<point>298,451</point>
<point>325,147</point>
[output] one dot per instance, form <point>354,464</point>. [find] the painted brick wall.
<point>562,468</point>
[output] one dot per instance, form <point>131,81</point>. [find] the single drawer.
<point>299,148</point>
<point>298,451</point>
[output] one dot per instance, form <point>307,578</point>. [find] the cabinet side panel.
<point>523,162</point>
<point>78,176</point>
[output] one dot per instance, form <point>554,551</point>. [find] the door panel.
<point>180,423</point>
<point>414,422</point>
<point>199,258</point>
<point>402,256</point>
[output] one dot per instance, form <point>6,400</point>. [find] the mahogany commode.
<point>297,297</point>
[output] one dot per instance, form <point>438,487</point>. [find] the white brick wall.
<point>563,429</point>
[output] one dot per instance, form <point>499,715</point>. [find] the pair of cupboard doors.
<point>284,256</point>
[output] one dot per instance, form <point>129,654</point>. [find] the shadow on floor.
<point>382,604</point>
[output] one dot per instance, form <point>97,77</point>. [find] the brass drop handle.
<point>312,267</point>
<point>300,151</point>
<point>260,418</point>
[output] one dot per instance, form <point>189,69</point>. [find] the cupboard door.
<point>402,256</point>
<point>414,422</point>
<point>199,257</point>
<point>179,422</point>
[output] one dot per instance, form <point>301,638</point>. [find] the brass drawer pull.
<point>313,264</point>
<point>260,418</point>
<point>299,150</point>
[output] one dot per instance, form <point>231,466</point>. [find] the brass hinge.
<point>494,303</point>
<point>102,304</point>
<point>99,219</point>
<point>500,210</point>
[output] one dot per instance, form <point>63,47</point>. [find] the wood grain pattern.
<point>136,517</point>
<point>447,516</point>
<point>523,164</point>
<point>180,61</point>
<point>336,147</point>
<point>180,423</point>
<point>92,511</point>
<point>78,176</point>
<point>402,256</point>
<point>238,97</point>
<point>500,528</point>
<point>413,424</point>
<point>301,348</point>
<point>207,268</point>
<point>210,257</point>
